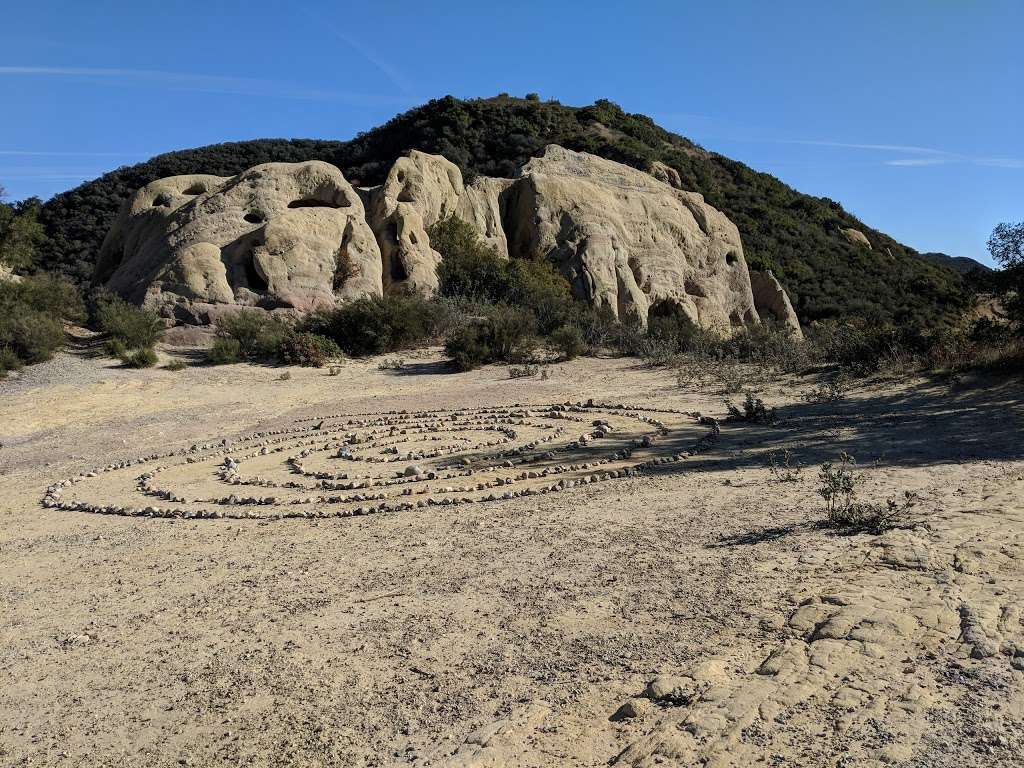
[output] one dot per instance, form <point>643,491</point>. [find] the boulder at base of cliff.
<point>772,301</point>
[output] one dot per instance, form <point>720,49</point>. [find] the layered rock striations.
<point>299,236</point>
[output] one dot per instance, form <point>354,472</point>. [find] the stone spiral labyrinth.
<point>344,465</point>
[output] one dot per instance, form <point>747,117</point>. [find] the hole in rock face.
<point>162,201</point>
<point>253,218</point>
<point>252,277</point>
<point>730,258</point>
<point>405,196</point>
<point>312,202</point>
<point>412,238</point>
<point>195,189</point>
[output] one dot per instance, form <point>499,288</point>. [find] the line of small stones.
<point>226,474</point>
<point>284,439</point>
<point>326,480</point>
<point>53,497</point>
<point>145,486</point>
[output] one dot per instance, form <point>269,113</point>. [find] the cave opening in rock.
<point>195,189</point>
<point>253,218</point>
<point>730,258</point>
<point>253,279</point>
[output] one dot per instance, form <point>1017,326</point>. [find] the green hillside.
<point>796,235</point>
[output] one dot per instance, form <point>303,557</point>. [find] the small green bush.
<point>469,347</point>
<point>134,327</point>
<point>260,336</point>
<point>9,361</point>
<point>224,352</point>
<point>536,285</point>
<point>512,333</point>
<point>115,348</point>
<point>754,411</point>
<point>53,295</point>
<point>373,326</point>
<point>32,315</point>
<point>308,349</point>
<point>176,365</point>
<point>140,358</point>
<point>32,335</point>
<point>506,334</point>
<point>843,510</point>
<point>568,342</point>
<point>468,268</point>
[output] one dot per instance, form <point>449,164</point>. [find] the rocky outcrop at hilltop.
<point>299,236</point>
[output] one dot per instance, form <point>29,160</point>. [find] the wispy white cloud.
<point>919,156</point>
<point>392,74</point>
<point>184,81</point>
<point>49,153</point>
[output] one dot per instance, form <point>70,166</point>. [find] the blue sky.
<point>909,112</point>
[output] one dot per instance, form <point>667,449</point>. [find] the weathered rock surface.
<point>279,235</point>
<point>630,242</point>
<point>665,173</point>
<point>419,191</point>
<point>856,237</point>
<point>772,302</point>
<point>299,236</point>
<point>7,275</point>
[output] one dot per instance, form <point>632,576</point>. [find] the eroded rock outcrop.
<point>630,242</point>
<point>279,235</point>
<point>298,236</point>
<point>7,275</point>
<point>856,237</point>
<point>772,302</point>
<point>419,191</point>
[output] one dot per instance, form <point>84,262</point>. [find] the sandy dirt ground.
<point>689,612</point>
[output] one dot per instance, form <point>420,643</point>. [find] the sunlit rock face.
<point>295,237</point>
<point>630,242</point>
<point>279,235</point>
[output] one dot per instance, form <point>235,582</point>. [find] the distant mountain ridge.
<point>797,236</point>
<point>964,265</point>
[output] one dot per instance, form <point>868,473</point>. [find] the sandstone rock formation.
<point>7,275</point>
<point>856,237</point>
<point>772,301</point>
<point>665,173</point>
<point>298,236</point>
<point>420,190</point>
<point>630,242</point>
<point>279,235</point>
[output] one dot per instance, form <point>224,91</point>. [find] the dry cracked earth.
<point>408,567</point>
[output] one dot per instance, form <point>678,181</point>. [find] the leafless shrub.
<point>784,466</point>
